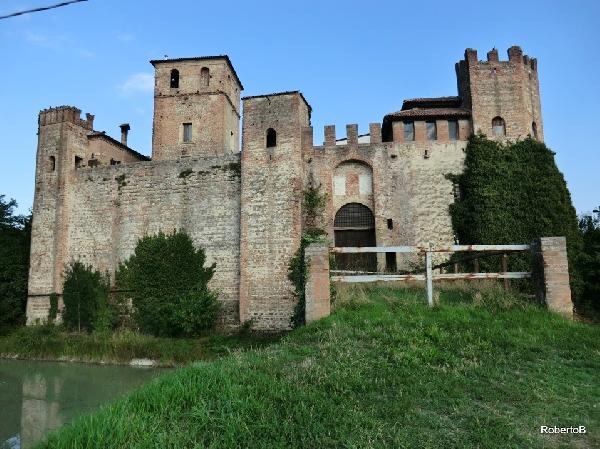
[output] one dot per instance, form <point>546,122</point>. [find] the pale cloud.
<point>138,82</point>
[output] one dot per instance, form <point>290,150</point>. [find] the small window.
<point>390,262</point>
<point>174,78</point>
<point>453,130</point>
<point>187,132</point>
<point>534,129</point>
<point>114,161</point>
<point>431,128</point>
<point>409,131</point>
<point>271,138</point>
<point>51,163</point>
<point>390,223</point>
<point>204,76</point>
<point>78,161</point>
<point>498,127</point>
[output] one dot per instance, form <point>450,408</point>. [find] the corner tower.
<point>503,96</point>
<point>196,107</point>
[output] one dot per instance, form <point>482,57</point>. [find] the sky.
<point>353,61</point>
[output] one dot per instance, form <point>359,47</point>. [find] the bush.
<point>590,265</point>
<point>85,294</point>
<point>168,286</point>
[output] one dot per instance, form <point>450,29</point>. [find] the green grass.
<point>52,343</point>
<point>479,371</point>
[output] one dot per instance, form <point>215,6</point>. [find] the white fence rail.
<point>428,276</point>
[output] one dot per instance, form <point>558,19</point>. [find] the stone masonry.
<point>95,196</point>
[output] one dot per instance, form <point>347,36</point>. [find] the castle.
<point>95,196</point>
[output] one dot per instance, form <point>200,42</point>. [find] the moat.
<point>39,397</point>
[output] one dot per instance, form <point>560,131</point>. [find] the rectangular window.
<point>339,185</point>
<point>187,132</point>
<point>409,131</point>
<point>453,130</point>
<point>431,130</point>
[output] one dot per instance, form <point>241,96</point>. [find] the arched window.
<point>51,163</point>
<point>354,226</point>
<point>204,76</point>
<point>498,127</point>
<point>534,129</point>
<point>271,138</point>
<point>175,78</point>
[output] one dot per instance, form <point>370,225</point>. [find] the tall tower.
<point>196,107</point>
<point>504,96</point>
<point>62,145</point>
<point>271,219</point>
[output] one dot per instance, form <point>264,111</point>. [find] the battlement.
<point>515,56</point>
<point>62,114</point>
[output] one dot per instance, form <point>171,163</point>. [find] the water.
<point>38,397</point>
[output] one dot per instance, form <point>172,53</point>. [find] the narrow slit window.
<point>204,76</point>
<point>498,127</point>
<point>409,131</point>
<point>51,163</point>
<point>390,223</point>
<point>453,130</point>
<point>271,138</point>
<point>187,132</point>
<point>431,129</point>
<point>534,130</point>
<point>174,79</point>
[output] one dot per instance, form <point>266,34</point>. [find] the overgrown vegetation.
<point>513,193</point>
<point>85,295</point>
<point>313,205</point>
<point>590,264</point>
<point>15,235</point>
<point>167,283</point>
<point>383,371</point>
<point>50,342</point>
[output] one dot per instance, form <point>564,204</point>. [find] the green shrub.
<point>168,285</point>
<point>85,294</point>
<point>53,311</point>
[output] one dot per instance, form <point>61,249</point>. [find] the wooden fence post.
<point>505,270</point>
<point>429,276</point>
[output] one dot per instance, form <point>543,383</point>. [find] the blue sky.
<point>354,63</point>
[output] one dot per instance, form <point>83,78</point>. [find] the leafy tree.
<point>590,263</point>
<point>168,284</point>
<point>15,235</point>
<point>85,294</point>
<point>512,193</point>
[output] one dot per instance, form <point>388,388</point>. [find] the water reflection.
<point>38,397</point>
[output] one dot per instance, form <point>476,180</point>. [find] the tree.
<point>512,193</point>
<point>15,235</point>
<point>85,295</point>
<point>590,263</point>
<point>168,285</point>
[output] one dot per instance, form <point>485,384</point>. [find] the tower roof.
<point>201,58</point>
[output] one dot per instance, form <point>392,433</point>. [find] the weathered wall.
<point>409,186</point>
<point>271,207</point>
<point>111,207</point>
<point>104,150</point>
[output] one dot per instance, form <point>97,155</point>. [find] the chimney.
<point>124,130</point>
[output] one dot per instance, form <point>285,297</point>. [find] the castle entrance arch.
<point>354,225</point>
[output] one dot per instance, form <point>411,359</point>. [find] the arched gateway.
<point>354,226</point>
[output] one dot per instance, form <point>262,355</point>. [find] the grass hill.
<point>482,370</point>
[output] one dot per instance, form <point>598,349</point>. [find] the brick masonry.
<point>317,293</point>
<point>552,274</point>
<point>95,197</point>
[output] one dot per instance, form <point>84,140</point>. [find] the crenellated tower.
<point>62,146</point>
<point>503,96</point>
<point>196,107</point>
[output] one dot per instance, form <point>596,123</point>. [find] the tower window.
<point>174,78</point>
<point>431,128</point>
<point>498,127</point>
<point>534,129</point>
<point>187,132</point>
<point>453,130</point>
<point>51,163</point>
<point>78,161</point>
<point>204,76</point>
<point>390,223</point>
<point>409,131</point>
<point>271,138</point>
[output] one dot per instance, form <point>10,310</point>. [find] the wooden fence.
<point>428,276</point>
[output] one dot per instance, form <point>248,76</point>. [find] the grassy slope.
<point>381,372</point>
<point>51,343</point>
